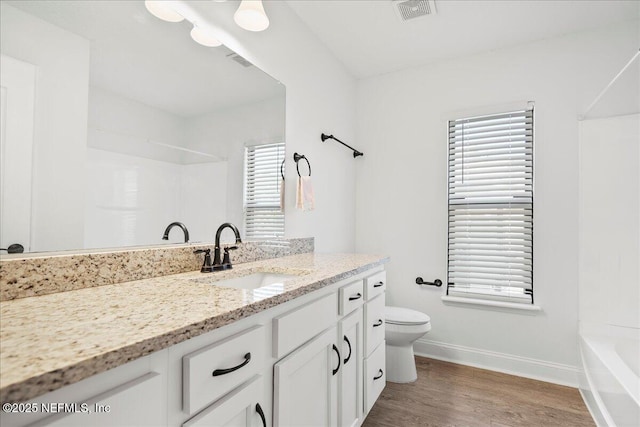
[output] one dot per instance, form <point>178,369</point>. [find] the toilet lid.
<point>405,316</point>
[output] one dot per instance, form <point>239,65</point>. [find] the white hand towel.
<point>304,196</point>
<point>282,195</point>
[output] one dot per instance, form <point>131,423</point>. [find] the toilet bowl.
<point>403,327</point>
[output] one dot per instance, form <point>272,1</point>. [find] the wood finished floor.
<point>447,394</point>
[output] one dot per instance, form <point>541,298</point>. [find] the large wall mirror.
<point>116,123</point>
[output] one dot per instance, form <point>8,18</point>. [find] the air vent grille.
<point>411,9</point>
<point>239,59</point>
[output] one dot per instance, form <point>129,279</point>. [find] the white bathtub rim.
<point>604,348</point>
<point>600,411</point>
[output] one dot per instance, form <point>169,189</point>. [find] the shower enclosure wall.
<point>609,256</point>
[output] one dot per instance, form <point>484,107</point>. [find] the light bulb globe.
<point>204,38</point>
<point>251,16</point>
<point>161,10</point>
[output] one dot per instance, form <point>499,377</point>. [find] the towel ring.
<point>281,170</point>
<point>297,157</point>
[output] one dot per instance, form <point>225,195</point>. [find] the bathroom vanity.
<point>303,347</point>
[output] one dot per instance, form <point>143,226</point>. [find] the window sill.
<point>493,305</point>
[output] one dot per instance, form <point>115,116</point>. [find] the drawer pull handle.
<point>349,344</point>
<point>261,413</point>
<point>380,374</point>
<point>355,297</point>
<point>218,372</point>
<point>335,371</point>
<point>379,323</point>
<point>377,285</point>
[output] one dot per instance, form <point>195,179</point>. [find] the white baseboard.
<point>556,373</point>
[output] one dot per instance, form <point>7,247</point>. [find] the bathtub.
<point>611,382</point>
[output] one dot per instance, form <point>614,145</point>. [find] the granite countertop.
<point>50,341</point>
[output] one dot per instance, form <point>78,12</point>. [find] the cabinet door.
<point>350,390</point>
<point>374,323</point>
<point>305,385</point>
<point>139,402</point>
<point>238,408</point>
<point>374,376</point>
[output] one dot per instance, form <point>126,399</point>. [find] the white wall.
<point>122,125</point>
<point>130,199</point>
<point>17,110</point>
<point>610,223</point>
<point>320,98</point>
<point>226,133</point>
<point>401,202</point>
<point>136,131</point>
<point>203,205</point>
<point>136,187</point>
<point>60,133</point>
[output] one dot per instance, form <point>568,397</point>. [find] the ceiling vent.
<point>239,59</point>
<point>412,9</point>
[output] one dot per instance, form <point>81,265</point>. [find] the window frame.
<point>274,209</point>
<point>494,298</point>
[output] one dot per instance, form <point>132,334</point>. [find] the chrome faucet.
<point>176,224</point>
<point>225,264</point>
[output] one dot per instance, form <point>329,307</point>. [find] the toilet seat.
<point>405,316</point>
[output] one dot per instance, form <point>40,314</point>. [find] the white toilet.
<point>402,328</point>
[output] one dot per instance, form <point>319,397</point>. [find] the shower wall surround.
<point>41,275</point>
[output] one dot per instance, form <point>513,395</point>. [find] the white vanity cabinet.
<point>312,361</point>
<point>322,383</point>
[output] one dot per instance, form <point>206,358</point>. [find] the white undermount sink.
<point>252,281</point>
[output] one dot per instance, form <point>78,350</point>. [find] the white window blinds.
<point>263,218</point>
<point>490,251</point>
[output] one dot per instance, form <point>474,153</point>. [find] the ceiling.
<point>138,56</point>
<point>369,38</point>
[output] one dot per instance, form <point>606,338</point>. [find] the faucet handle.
<point>226,259</point>
<point>206,265</point>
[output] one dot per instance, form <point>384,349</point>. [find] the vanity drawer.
<point>374,376</point>
<point>350,297</point>
<point>214,370</point>
<point>375,285</point>
<point>298,326</point>
<point>374,323</point>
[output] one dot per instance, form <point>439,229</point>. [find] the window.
<point>263,217</point>
<point>490,249</point>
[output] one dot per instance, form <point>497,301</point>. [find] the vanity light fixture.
<point>200,35</point>
<point>160,10</point>
<point>251,16</point>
